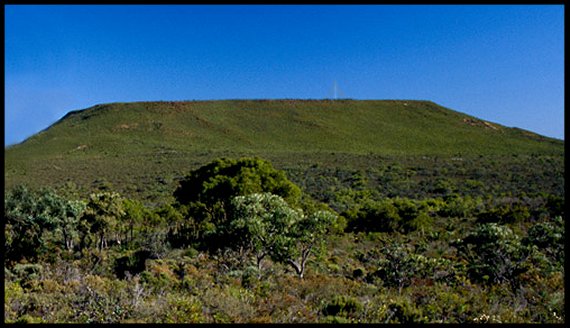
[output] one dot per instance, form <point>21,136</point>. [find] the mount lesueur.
<point>142,145</point>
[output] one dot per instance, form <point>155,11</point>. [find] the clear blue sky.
<point>501,63</point>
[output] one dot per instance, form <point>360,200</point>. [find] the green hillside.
<point>132,144</point>
<point>384,127</point>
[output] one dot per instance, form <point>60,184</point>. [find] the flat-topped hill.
<point>352,126</point>
<point>129,143</point>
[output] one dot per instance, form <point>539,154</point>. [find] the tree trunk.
<point>102,242</point>
<point>69,244</point>
<point>259,258</point>
<point>66,240</point>
<point>299,269</point>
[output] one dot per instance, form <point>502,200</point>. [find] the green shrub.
<point>250,277</point>
<point>205,194</point>
<point>404,312</point>
<point>495,254</point>
<point>28,274</point>
<point>182,309</point>
<point>26,318</point>
<point>358,273</point>
<point>505,210</point>
<point>374,216</point>
<point>342,305</point>
<point>335,319</point>
<point>549,237</point>
<point>132,264</point>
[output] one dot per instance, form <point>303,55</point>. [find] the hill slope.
<point>137,141</point>
<point>385,127</point>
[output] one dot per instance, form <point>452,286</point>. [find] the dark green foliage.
<point>342,305</point>
<point>495,254</point>
<point>102,215</point>
<point>392,215</point>
<point>223,179</point>
<point>547,234</point>
<point>38,223</point>
<point>27,274</point>
<point>205,195</point>
<point>132,220</point>
<point>555,205</point>
<point>358,273</point>
<point>549,237</point>
<point>404,312</point>
<point>505,211</point>
<point>372,216</point>
<point>131,264</point>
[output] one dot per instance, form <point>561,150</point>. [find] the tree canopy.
<point>223,179</point>
<point>204,196</point>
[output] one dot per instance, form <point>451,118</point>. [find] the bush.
<point>223,179</point>
<point>495,254</point>
<point>358,273</point>
<point>205,194</point>
<point>182,309</point>
<point>392,215</point>
<point>504,210</point>
<point>549,238</point>
<point>132,264</point>
<point>342,305</point>
<point>374,216</point>
<point>28,274</point>
<point>404,312</point>
<point>399,266</point>
<point>38,223</point>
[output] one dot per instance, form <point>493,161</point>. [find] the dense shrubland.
<point>241,242</point>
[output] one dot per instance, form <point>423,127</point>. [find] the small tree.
<point>205,194</point>
<point>37,222</point>
<point>134,212</point>
<point>101,214</point>
<point>495,253</point>
<point>266,225</point>
<point>72,211</point>
<point>259,220</point>
<point>375,216</point>
<point>308,235</point>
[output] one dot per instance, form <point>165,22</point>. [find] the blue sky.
<point>500,63</point>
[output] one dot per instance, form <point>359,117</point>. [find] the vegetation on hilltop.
<point>365,126</point>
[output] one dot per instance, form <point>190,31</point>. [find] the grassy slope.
<point>137,142</point>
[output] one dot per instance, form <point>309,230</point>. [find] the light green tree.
<point>266,225</point>
<point>260,220</point>
<point>38,222</point>
<point>308,235</point>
